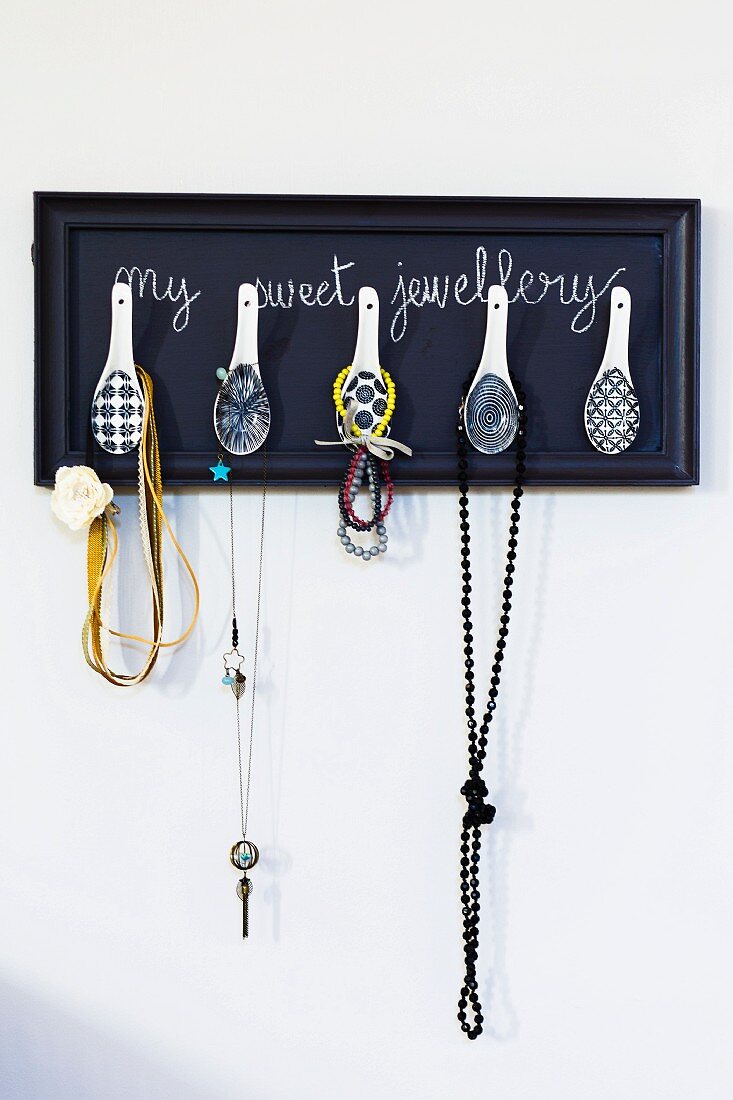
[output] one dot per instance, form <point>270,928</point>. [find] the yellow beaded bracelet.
<point>391,400</point>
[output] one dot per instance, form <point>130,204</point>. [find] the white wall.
<point>607,911</point>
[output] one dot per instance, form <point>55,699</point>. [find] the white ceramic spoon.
<point>491,409</point>
<point>241,409</point>
<point>612,407</point>
<point>118,402</point>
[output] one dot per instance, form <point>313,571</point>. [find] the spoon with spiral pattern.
<point>491,409</point>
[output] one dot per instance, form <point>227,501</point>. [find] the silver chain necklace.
<point>244,853</point>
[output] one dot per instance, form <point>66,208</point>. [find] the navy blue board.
<point>431,261</point>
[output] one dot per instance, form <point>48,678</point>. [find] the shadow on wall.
<point>48,1054</point>
<point>502,1021</point>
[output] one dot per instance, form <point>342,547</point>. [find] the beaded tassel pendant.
<point>244,855</point>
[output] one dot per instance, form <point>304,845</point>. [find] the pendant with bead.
<point>244,855</point>
<point>233,676</point>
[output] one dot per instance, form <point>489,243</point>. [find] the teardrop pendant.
<point>239,682</point>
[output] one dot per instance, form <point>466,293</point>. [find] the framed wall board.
<point>431,261</point>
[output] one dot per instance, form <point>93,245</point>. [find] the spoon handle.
<point>494,357</point>
<point>366,352</point>
<point>120,355</point>
<point>617,344</point>
<point>245,342</point>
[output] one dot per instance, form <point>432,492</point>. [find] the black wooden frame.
<point>677,220</point>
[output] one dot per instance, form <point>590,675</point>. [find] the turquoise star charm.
<point>220,471</point>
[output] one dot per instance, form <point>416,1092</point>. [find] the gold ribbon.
<point>102,547</point>
<point>380,448</point>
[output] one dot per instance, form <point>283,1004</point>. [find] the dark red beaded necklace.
<point>478,811</point>
<point>346,508</point>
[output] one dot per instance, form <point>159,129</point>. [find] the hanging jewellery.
<point>123,421</point>
<point>365,402</point>
<point>244,854</point>
<point>478,811</point>
<point>242,422</point>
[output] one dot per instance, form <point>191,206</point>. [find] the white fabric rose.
<point>79,496</point>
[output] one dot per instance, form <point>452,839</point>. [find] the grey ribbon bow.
<point>380,448</point>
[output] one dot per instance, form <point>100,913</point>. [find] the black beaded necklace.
<point>479,812</point>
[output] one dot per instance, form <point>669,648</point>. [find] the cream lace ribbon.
<point>380,448</point>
